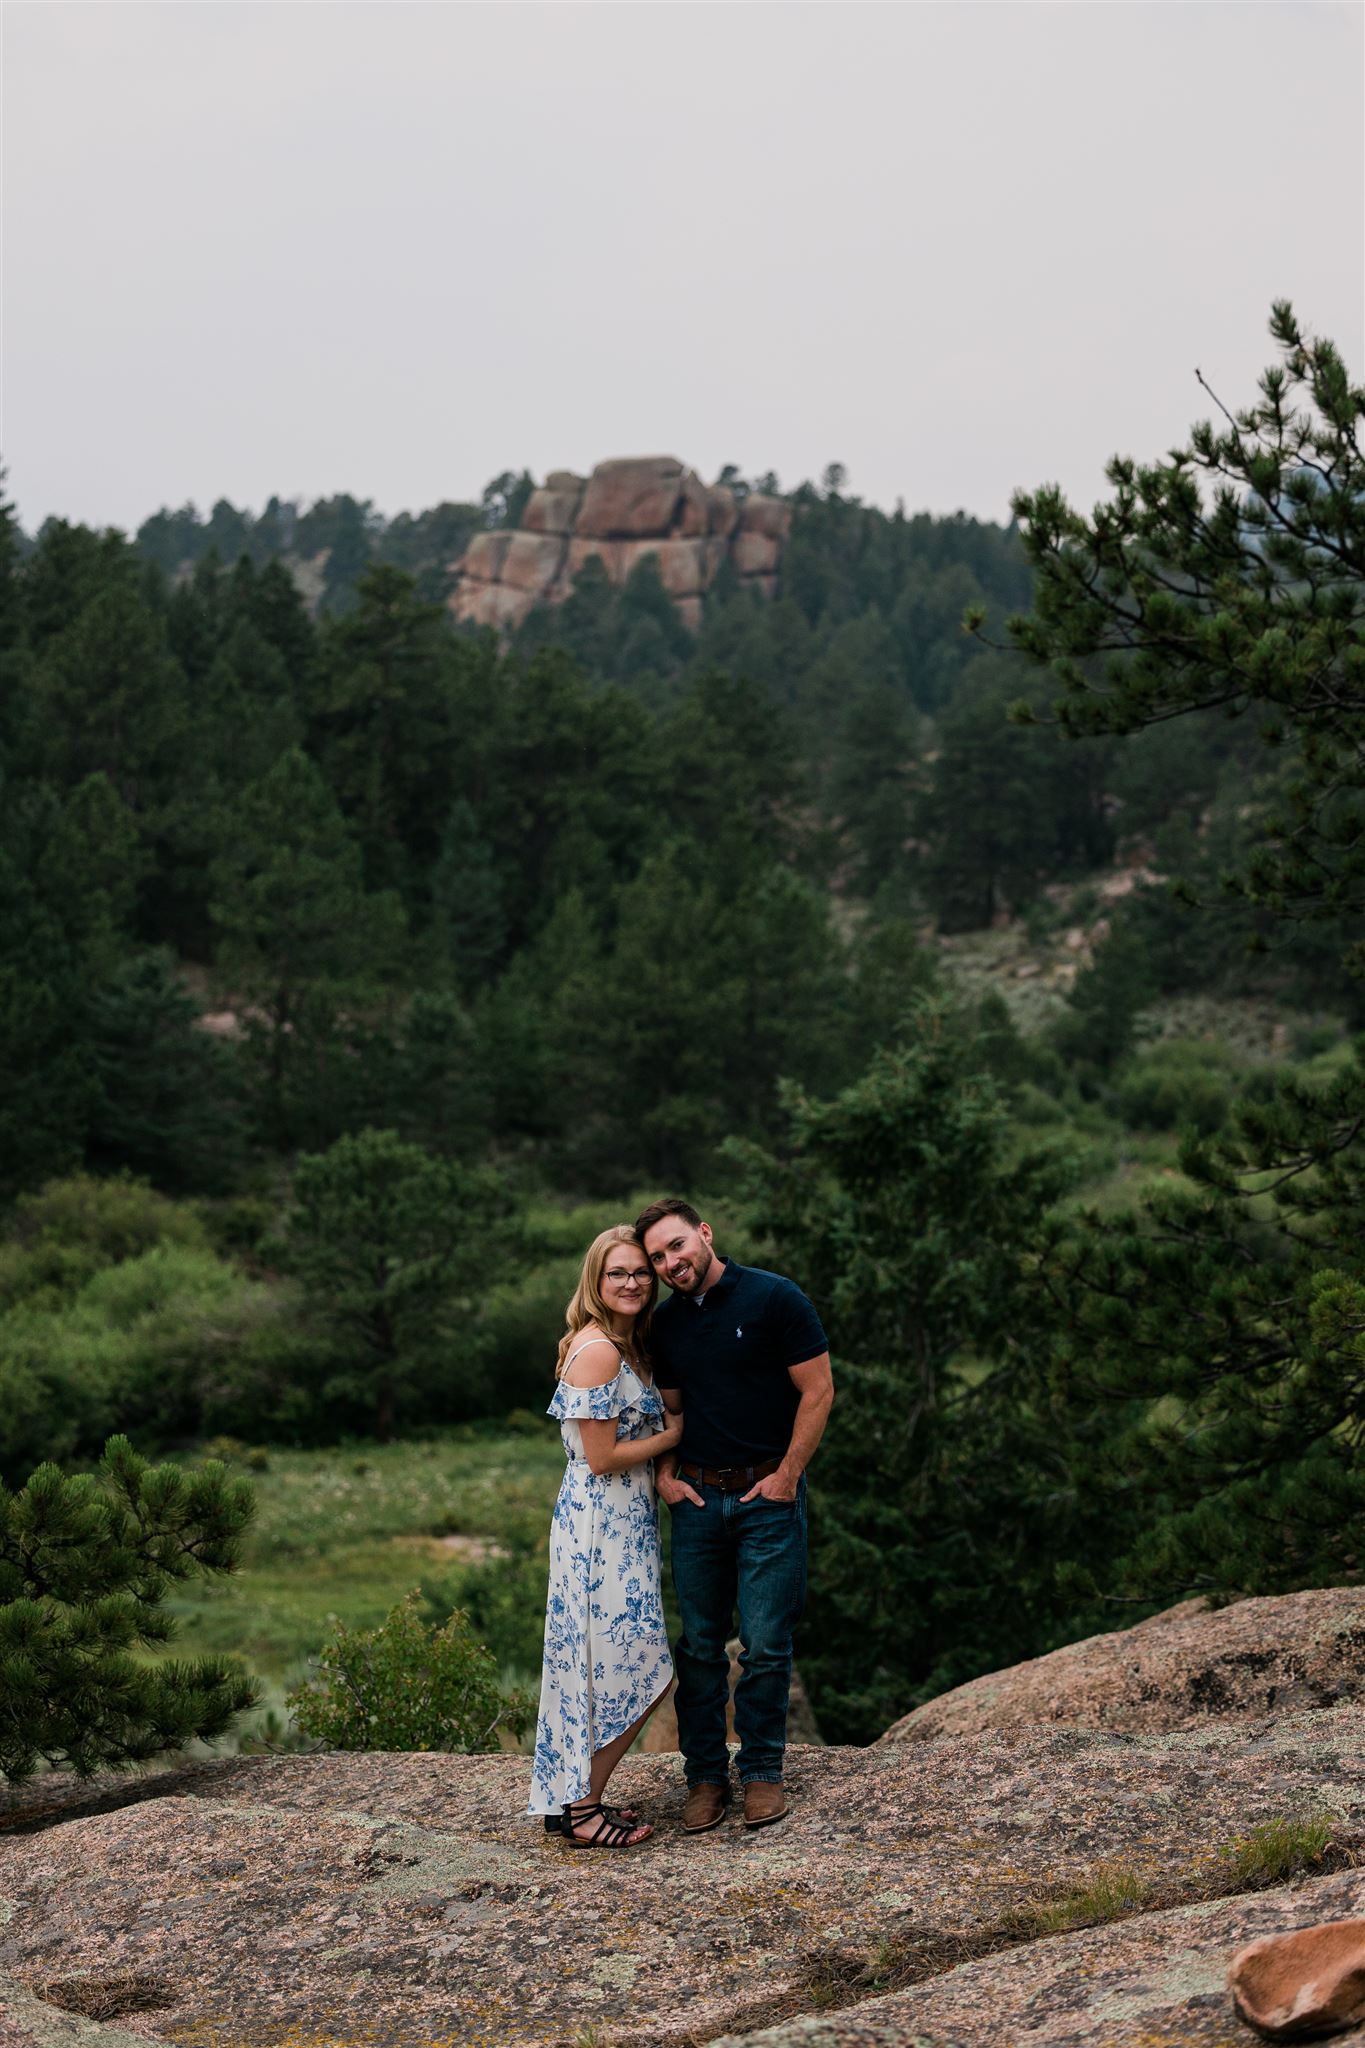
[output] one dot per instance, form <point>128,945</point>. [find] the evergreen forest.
<point>974,932</point>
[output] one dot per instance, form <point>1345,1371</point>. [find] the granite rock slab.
<point>1185,1668</point>
<point>318,1902</point>
<point>1156,1980</point>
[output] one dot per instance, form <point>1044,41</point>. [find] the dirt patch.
<point>104,1998</point>
<point>463,1549</point>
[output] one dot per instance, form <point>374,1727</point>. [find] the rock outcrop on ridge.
<point>404,1900</point>
<point>1181,1669</point>
<point>627,509</point>
<point>1158,1981</point>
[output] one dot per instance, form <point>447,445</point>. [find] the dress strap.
<point>586,1346</point>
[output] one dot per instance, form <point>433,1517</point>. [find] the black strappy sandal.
<point>555,1822</point>
<point>610,1834</point>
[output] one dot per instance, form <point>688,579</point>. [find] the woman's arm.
<point>605,1454</point>
<point>593,1368</point>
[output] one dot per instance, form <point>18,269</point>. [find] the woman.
<point>606,1653</point>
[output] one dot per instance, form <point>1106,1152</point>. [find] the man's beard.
<point>694,1283</point>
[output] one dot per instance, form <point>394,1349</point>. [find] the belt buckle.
<point>730,1478</point>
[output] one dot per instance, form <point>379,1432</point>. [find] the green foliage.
<point>407,1686</point>
<point>1177,1086</point>
<point>389,1245</point>
<point>1107,1892</point>
<point>1218,1327</point>
<point>63,1234</point>
<point>1100,1026</point>
<point>1276,1849</point>
<point>67,869</point>
<point>344,1531</point>
<point>1231,575</point>
<point>1006,807</point>
<point>300,935</point>
<point>85,1566</point>
<point>115,1313</point>
<point>167,1105</point>
<point>900,1206</point>
<point>505,1600</point>
<point>468,926</point>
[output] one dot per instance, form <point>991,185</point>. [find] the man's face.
<point>680,1253</point>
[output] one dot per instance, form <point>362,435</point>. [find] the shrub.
<point>72,1229</point>
<point>405,1686</point>
<point>504,1601</point>
<point>1176,1087</point>
<point>171,1343</point>
<point>85,1565</point>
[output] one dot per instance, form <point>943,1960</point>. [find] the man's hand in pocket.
<point>672,1489</point>
<point>780,1485</point>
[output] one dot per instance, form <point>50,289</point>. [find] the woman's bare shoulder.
<point>596,1358</point>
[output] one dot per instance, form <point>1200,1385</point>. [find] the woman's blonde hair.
<point>587,1306</point>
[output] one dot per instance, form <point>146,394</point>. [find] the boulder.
<point>1180,1669</point>
<point>770,516</point>
<point>406,1899</point>
<point>686,567</point>
<point>630,498</point>
<point>533,561</point>
<point>692,518</point>
<point>755,554</point>
<point>722,513</point>
<point>551,511</point>
<point>608,552</point>
<point>690,612</point>
<point>1293,1986</point>
<point>493,604</point>
<point>482,560</point>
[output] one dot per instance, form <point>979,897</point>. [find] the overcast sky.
<point>395,248</point>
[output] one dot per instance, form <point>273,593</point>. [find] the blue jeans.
<point>750,1555</point>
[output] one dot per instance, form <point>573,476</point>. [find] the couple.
<point>728,1387</point>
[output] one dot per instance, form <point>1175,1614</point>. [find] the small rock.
<point>1290,1986</point>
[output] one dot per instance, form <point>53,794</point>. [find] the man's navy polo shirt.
<point>730,1359</point>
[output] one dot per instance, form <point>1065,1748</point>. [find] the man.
<point>741,1352</point>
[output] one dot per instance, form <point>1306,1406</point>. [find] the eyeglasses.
<point>626,1276</point>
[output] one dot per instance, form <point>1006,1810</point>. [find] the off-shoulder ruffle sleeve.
<point>591,1404</point>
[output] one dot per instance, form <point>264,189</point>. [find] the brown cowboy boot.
<point>705,1808</point>
<point>764,1802</point>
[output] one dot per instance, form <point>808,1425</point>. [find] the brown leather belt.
<point>730,1478</point>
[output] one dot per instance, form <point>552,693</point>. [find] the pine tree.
<point>390,1244</point>
<point>941,1490</point>
<point>1219,1328</point>
<point>468,924</point>
<point>299,934</point>
<point>86,1563</point>
<point>1231,575</point>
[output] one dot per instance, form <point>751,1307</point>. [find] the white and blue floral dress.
<point>606,1651</point>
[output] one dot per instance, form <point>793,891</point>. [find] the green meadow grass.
<point>347,1532</point>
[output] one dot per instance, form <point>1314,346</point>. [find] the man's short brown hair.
<point>656,1212</point>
